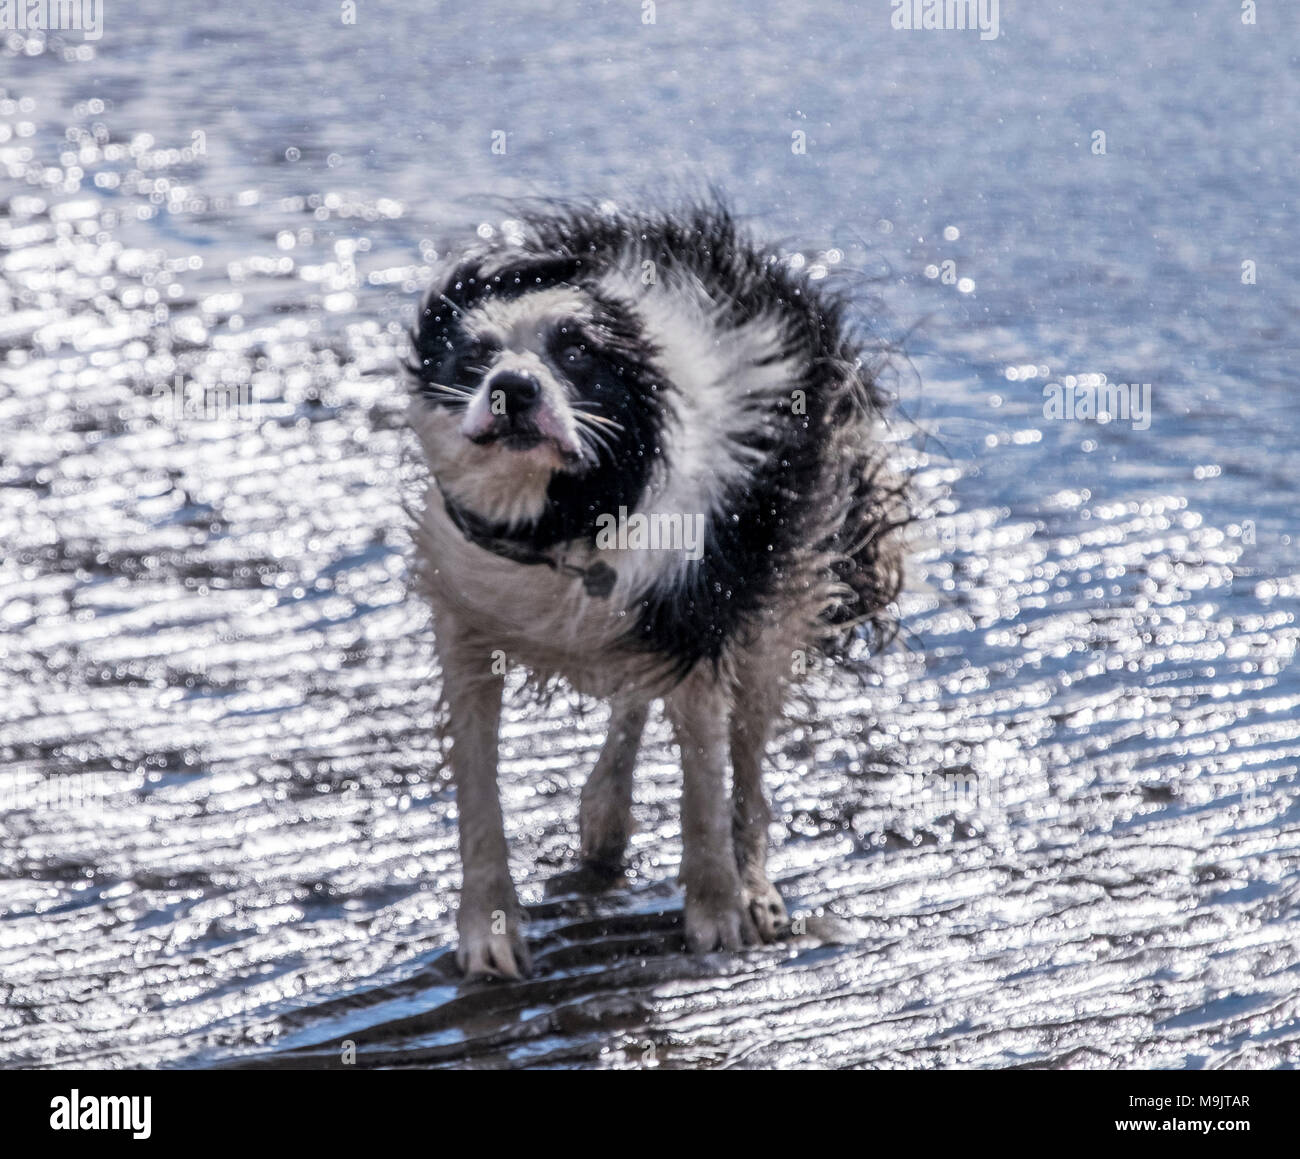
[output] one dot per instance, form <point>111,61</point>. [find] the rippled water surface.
<point>1061,827</point>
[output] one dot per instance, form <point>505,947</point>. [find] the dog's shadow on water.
<point>597,980</point>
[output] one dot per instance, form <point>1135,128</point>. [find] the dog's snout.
<point>513,393</point>
<point>512,409</point>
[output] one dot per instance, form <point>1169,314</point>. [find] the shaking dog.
<point>656,474</point>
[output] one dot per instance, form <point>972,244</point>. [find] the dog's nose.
<point>512,393</point>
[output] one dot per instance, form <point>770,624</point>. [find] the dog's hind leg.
<point>605,816</point>
<point>716,913</point>
<point>751,724</point>
<point>488,919</point>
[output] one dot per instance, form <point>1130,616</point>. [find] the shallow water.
<point>1060,828</point>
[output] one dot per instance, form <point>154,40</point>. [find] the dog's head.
<point>538,391</point>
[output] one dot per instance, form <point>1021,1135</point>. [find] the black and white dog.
<point>655,474</point>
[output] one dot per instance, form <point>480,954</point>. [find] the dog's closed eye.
<point>453,362</point>
<point>475,354</point>
<point>571,349</point>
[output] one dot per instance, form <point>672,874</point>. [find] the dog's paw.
<point>491,946</point>
<point>766,910</point>
<point>718,920</point>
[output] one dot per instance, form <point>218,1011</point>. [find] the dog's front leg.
<point>716,913</point>
<point>488,919</point>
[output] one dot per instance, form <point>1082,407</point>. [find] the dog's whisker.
<point>598,440</point>
<point>586,420</point>
<point>588,417</point>
<point>450,396</point>
<point>594,438</point>
<point>591,405</point>
<point>604,422</point>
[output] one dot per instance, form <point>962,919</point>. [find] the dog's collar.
<point>597,580</point>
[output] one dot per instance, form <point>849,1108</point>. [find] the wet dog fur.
<point>666,364</point>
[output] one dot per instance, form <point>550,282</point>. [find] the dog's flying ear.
<point>468,285</point>
<point>537,274</point>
